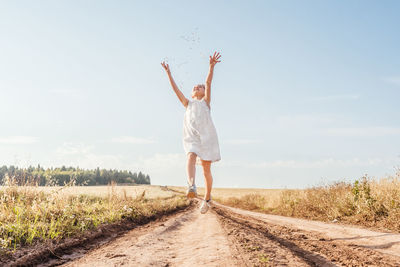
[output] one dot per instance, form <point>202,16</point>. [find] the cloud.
<point>163,168</point>
<point>335,97</point>
<point>242,141</point>
<point>161,162</point>
<point>303,120</point>
<point>392,80</point>
<point>69,148</point>
<point>362,131</point>
<point>67,93</point>
<point>80,154</point>
<point>14,140</point>
<point>312,164</point>
<point>132,140</point>
<point>107,161</point>
<point>322,125</point>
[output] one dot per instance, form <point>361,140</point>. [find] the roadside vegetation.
<point>28,216</point>
<point>368,202</point>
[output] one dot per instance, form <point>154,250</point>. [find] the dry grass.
<point>29,214</point>
<point>245,198</point>
<point>104,190</point>
<point>373,203</point>
<point>368,202</point>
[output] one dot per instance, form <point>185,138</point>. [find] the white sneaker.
<point>191,191</point>
<point>205,205</point>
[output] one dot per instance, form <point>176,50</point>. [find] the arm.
<point>213,60</point>
<point>178,92</point>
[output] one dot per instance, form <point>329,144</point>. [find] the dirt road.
<point>190,239</point>
<point>232,237</point>
<point>388,243</point>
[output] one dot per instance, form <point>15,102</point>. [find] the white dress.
<point>199,133</point>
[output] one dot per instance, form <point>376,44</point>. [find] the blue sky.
<point>307,91</point>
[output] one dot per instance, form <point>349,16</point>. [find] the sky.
<point>307,92</point>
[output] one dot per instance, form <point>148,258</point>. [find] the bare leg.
<point>191,168</point>
<point>208,178</point>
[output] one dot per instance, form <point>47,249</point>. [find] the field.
<point>270,197</point>
<point>369,202</point>
<point>151,192</point>
<point>29,215</point>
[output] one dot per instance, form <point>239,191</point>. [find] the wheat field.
<point>150,191</point>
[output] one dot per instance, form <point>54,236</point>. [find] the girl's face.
<point>198,91</point>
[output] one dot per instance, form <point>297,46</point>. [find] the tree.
<point>60,176</point>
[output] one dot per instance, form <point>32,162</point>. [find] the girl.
<point>200,139</point>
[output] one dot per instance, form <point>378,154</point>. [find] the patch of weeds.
<point>264,259</point>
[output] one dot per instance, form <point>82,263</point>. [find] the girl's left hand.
<point>215,59</point>
<point>165,66</point>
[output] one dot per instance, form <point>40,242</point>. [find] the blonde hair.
<point>200,85</point>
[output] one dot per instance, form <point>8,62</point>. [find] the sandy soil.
<point>263,243</point>
<point>191,239</point>
<point>384,242</point>
<point>233,237</point>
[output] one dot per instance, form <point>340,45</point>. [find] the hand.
<point>214,59</point>
<point>165,66</point>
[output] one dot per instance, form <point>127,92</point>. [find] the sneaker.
<point>191,191</point>
<point>205,205</point>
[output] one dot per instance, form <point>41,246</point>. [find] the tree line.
<point>69,175</point>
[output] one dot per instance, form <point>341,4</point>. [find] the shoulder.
<point>206,101</point>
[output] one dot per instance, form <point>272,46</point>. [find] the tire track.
<point>267,244</point>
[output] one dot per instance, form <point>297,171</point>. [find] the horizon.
<point>52,168</point>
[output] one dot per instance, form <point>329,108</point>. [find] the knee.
<point>192,157</point>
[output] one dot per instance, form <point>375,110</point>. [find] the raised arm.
<point>178,92</point>
<point>213,60</point>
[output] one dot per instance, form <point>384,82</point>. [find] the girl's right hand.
<point>165,66</point>
<point>215,59</point>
